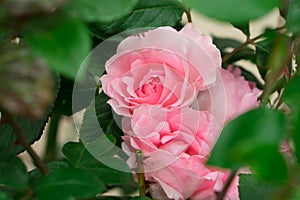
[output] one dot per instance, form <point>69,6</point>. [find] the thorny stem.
<point>140,173</point>
<point>221,195</point>
<point>25,143</point>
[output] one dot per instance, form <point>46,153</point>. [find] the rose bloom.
<point>176,98</point>
<point>230,96</point>
<point>160,67</point>
<point>163,135</point>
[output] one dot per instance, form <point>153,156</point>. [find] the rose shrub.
<point>175,99</point>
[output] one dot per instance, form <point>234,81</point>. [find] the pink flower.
<point>189,178</point>
<point>160,67</point>
<point>230,96</point>
<point>160,132</point>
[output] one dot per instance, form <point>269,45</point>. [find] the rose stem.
<point>221,195</point>
<point>140,173</point>
<point>25,143</point>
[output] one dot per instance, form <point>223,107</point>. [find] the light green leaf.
<point>253,140</point>
<point>100,10</point>
<point>62,42</point>
<point>235,11</point>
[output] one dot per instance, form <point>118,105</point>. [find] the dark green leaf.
<point>140,198</point>
<point>234,11</point>
<point>61,41</point>
<point>36,176</point>
<point>263,49</point>
<point>251,188</point>
<point>106,119</point>
<point>68,183</point>
<point>147,13</point>
<point>244,28</point>
<point>79,156</point>
<point>13,173</point>
<point>100,10</point>
<point>253,140</point>
<point>64,103</point>
<point>33,130</point>
<point>293,17</point>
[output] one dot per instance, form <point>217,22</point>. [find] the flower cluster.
<point>175,99</point>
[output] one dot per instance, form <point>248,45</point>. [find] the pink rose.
<point>160,67</point>
<point>160,132</point>
<point>189,178</point>
<point>230,96</point>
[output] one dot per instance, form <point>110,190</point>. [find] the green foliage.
<point>32,129</point>
<point>252,188</point>
<point>235,11</point>
<point>63,43</point>
<point>101,10</point>
<point>80,158</point>
<point>12,172</point>
<point>293,17</point>
<point>253,139</point>
<point>66,183</point>
<point>292,96</point>
<point>146,14</point>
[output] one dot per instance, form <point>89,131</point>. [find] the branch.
<point>25,143</point>
<point>221,195</point>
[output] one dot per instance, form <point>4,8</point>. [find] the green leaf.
<point>61,41</point>
<point>245,28</point>
<point>79,156</point>
<point>140,198</point>
<point>13,173</point>
<point>291,93</point>
<point>33,130</point>
<point>293,17</point>
<point>251,188</point>
<point>253,140</point>
<point>234,11</point>
<point>3,196</point>
<point>100,10</point>
<point>36,176</point>
<point>68,183</point>
<point>291,96</point>
<point>106,119</point>
<point>263,49</point>
<point>154,13</point>
<point>64,103</point>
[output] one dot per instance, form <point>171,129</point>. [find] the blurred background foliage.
<point>42,46</point>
